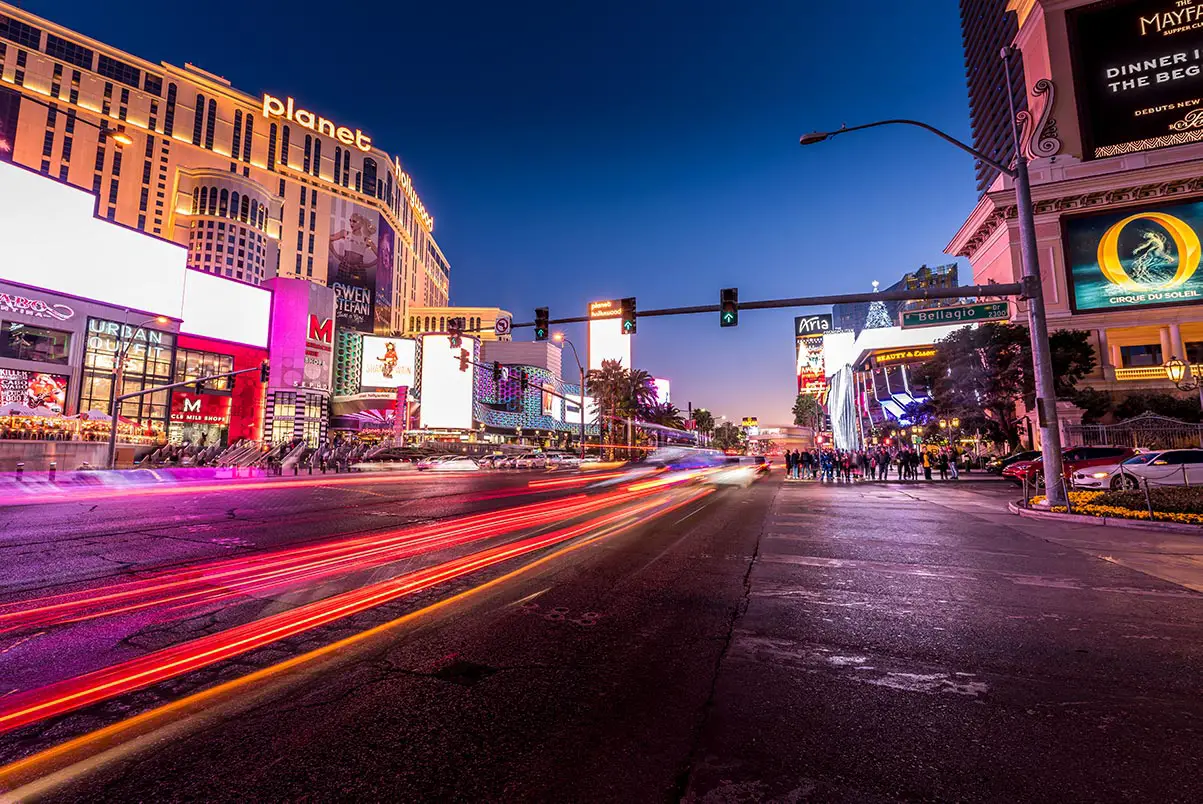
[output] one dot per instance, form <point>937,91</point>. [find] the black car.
<point>995,465</point>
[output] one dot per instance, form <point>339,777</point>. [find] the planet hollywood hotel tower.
<point>1115,139</point>
<point>255,186</point>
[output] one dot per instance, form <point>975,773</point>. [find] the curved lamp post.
<point>1046,397</point>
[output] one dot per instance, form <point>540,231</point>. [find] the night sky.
<point>572,151</point>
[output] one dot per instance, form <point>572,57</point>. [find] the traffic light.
<point>542,326</point>
<point>264,371</point>
<point>463,359</point>
<point>628,316</point>
<point>497,372</point>
<point>453,332</point>
<point>523,380</point>
<point>728,315</point>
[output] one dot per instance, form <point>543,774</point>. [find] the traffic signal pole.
<point>917,294</point>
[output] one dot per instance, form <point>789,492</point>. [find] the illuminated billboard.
<point>606,339</point>
<point>1134,258</point>
<point>663,390</point>
<point>387,362</point>
<point>302,343</point>
<point>811,366</point>
<point>353,262</point>
<point>1137,67</point>
<point>114,265</point>
<point>551,402</point>
<point>446,391</point>
<point>35,389</point>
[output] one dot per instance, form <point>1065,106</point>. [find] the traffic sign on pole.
<point>966,314</point>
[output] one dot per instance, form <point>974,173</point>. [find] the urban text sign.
<point>611,308</point>
<point>34,308</point>
<point>914,355</point>
<point>287,109</point>
<point>1138,74</point>
<point>812,324</point>
<point>967,314</point>
<point>1134,258</point>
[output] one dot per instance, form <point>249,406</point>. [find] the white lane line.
<point>687,516</point>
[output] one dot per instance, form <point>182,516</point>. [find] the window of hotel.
<point>271,146</point>
<point>338,162</point>
<point>153,84</point>
<point>1194,353</point>
<point>119,71</point>
<point>369,176</point>
<point>308,151</point>
<point>237,143</point>
<point>169,117</point>
<point>317,157</point>
<point>223,205</point>
<point>1140,356</point>
<point>246,141</point>
<point>199,120</point>
<point>68,51</point>
<point>19,32</point>
<point>284,149</point>
<point>20,341</point>
<point>210,123</point>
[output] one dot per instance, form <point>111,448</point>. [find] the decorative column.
<point>1105,358</point>
<point>1177,348</point>
<point>1167,347</point>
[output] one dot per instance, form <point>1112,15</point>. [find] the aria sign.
<point>34,308</point>
<point>274,107</point>
<point>812,324</point>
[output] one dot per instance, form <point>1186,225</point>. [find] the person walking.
<point>789,465</point>
<point>942,464</point>
<point>927,464</point>
<point>952,465</point>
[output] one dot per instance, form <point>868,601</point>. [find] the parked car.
<point>491,461</point>
<point>996,465</point>
<point>432,461</point>
<point>1073,460</point>
<point>562,460</point>
<point>456,463</point>
<point>1171,467</point>
<point>530,460</point>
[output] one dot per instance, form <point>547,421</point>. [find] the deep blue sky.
<point>574,151</point>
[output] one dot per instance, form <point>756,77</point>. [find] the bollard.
<point>1026,503</point>
<point>296,469</point>
<point>20,471</point>
<point>1148,499</point>
<point>311,468</point>
<point>53,468</point>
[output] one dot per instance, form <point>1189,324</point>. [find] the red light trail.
<point>211,582</point>
<point>54,699</point>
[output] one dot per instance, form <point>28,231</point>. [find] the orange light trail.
<point>579,480</point>
<point>28,707</point>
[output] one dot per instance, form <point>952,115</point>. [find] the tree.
<point>728,436</point>
<point>808,411</point>
<point>639,392</point>
<point>980,375</point>
<point>665,415</point>
<point>1168,405</point>
<point>704,420</point>
<point>607,386</point>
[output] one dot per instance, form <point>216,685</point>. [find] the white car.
<point>1170,467</point>
<point>563,460</point>
<point>531,460</point>
<point>433,461</point>
<point>456,463</point>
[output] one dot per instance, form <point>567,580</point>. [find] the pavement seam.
<point>686,774</point>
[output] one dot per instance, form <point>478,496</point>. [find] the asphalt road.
<point>780,643</point>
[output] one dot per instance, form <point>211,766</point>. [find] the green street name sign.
<point>967,314</point>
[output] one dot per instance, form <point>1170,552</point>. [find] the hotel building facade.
<point>253,186</point>
<point>1115,138</point>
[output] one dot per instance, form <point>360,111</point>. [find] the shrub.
<point>1169,499</point>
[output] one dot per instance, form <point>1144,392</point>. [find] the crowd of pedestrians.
<point>876,463</point>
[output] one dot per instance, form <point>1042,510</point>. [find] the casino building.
<point>254,186</point>
<point>1116,142</point>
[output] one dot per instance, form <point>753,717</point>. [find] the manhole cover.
<point>464,673</point>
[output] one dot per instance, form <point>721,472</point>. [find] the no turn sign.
<point>502,325</point>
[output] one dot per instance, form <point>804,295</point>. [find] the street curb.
<point>1107,521</point>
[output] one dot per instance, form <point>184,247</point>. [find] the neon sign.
<point>274,107</point>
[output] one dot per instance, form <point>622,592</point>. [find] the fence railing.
<point>1148,430</point>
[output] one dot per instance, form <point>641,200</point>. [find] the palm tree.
<point>808,412</point>
<point>665,415</point>
<point>703,420</point>
<point>640,392</point>
<point>607,386</point>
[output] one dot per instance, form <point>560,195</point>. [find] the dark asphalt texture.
<point>785,642</point>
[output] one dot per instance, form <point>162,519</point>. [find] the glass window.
<point>118,71</point>
<point>1141,356</point>
<point>24,342</point>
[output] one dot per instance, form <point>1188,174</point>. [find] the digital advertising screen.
<point>353,261</point>
<point>446,391</point>
<point>812,368</point>
<point>387,362</point>
<point>1138,74</point>
<point>1134,258</point>
<point>551,402</point>
<point>34,389</point>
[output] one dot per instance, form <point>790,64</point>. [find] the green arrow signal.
<point>728,316</point>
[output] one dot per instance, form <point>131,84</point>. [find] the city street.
<point>781,642</point>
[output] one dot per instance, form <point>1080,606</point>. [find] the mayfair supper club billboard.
<point>1147,257</point>
<point>1138,74</point>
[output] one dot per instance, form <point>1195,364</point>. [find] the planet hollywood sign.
<point>34,308</point>
<point>287,109</point>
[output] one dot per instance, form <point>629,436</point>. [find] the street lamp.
<point>559,338</point>
<point>1046,397</point>
<point>1179,374</point>
<point>118,375</point>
